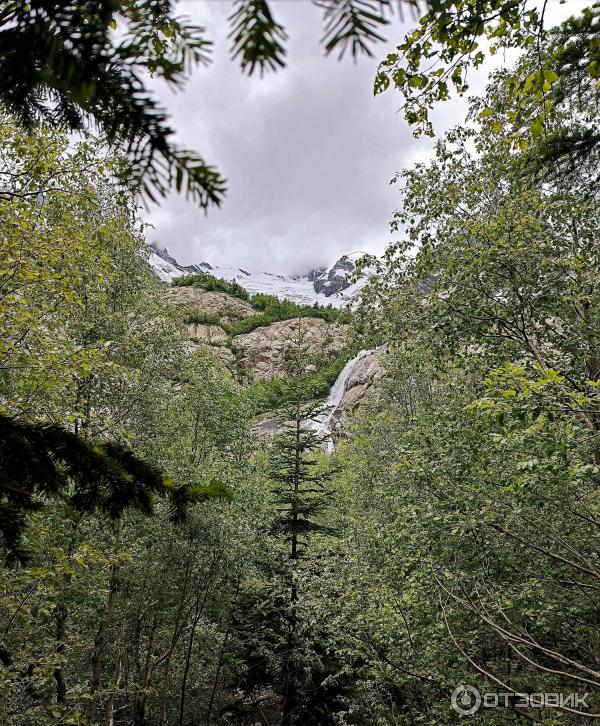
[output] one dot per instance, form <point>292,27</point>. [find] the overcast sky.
<point>308,152</point>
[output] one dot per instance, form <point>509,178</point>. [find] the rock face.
<point>331,281</point>
<point>227,307</point>
<point>219,305</point>
<point>358,384</point>
<point>211,334</point>
<point>268,427</point>
<point>262,352</point>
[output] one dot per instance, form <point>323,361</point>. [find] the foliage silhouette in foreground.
<point>69,64</point>
<point>40,460</point>
<point>63,66</point>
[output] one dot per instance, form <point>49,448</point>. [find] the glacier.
<point>298,288</point>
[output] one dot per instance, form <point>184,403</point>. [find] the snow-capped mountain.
<point>325,285</point>
<point>333,280</point>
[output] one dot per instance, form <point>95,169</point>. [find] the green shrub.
<point>247,325</point>
<point>269,394</point>
<point>273,310</point>
<point>212,284</point>
<point>202,317</point>
<point>286,309</point>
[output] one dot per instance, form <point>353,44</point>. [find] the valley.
<point>363,494</point>
<point>211,316</point>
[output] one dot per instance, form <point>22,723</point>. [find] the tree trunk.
<point>221,658</point>
<point>290,695</point>
<point>61,615</point>
<point>60,634</point>
<point>105,623</point>
<point>198,609</point>
<point>144,676</point>
<point>177,629</point>
<point>110,706</point>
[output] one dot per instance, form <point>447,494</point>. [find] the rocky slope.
<point>333,280</point>
<point>227,307</point>
<point>262,352</point>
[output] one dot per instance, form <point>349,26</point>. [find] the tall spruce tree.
<point>300,488</point>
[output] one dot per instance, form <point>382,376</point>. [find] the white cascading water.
<point>321,424</point>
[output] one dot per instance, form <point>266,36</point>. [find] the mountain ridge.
<point>323,285</point>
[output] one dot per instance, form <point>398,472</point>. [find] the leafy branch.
<point>61,67</point>
<point>257,38</point>
<point>38,461</point>
<point>355,24</point>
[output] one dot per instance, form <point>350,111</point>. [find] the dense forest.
<point>164,562</point>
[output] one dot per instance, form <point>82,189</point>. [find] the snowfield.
<point>299,289</point>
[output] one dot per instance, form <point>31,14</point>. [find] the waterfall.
<point>321,424</point>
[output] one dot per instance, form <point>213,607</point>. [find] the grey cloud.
<point>308,152</point>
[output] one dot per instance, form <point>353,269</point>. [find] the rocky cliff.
<point>226,307</point>
<point>262,352</point>
<point>358,387</point>
<point>333,280</point>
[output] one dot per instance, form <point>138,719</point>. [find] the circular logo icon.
<point>465,700</point>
